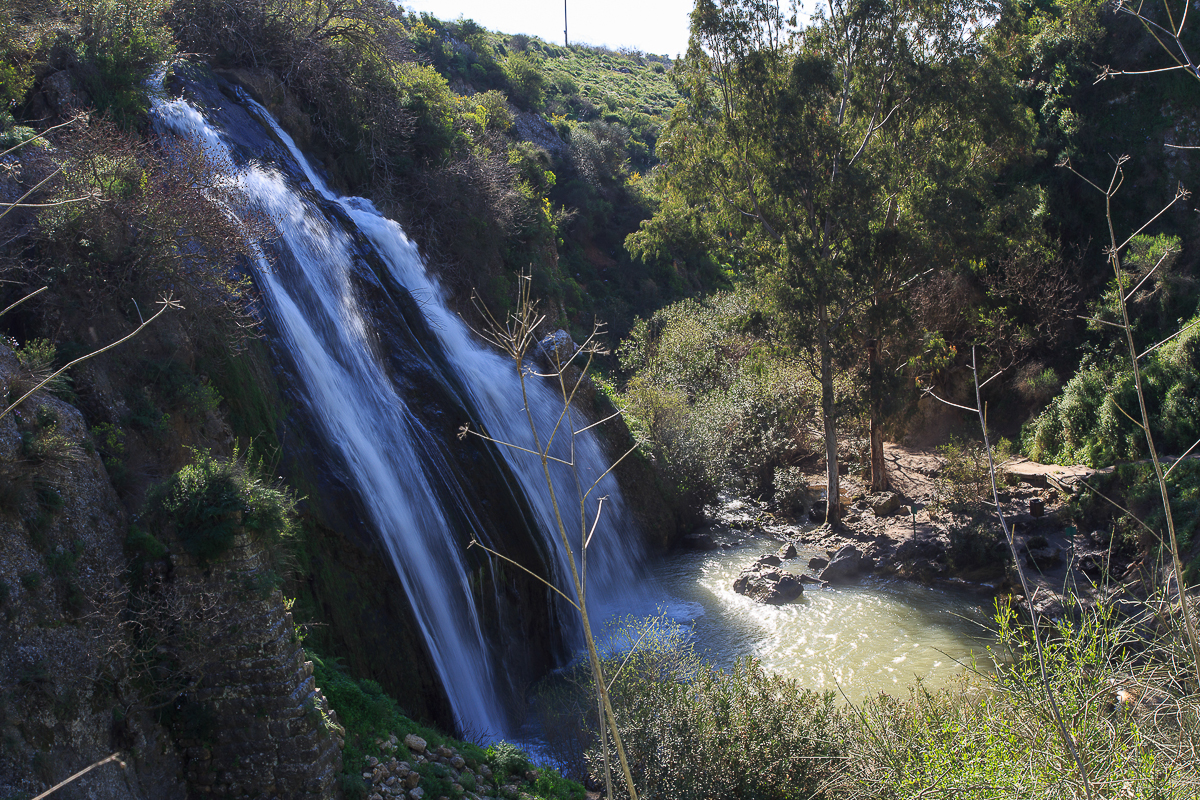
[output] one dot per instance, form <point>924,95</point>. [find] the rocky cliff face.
<point>114,640</point>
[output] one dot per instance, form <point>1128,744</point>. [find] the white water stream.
<point>393,462</point>
<point>859,640</point>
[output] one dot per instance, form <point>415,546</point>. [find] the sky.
<point>652,26</point>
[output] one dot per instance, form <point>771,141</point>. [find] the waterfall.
<point>357,390</point>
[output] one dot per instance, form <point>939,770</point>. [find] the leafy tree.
<point>835,162</point>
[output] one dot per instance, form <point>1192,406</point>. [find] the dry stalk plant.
<point>515,336</point>
<point>980,410</point>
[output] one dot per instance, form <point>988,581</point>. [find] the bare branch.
<point>502,557</point>
<point>166,303</point>
<point>31,295</point>
<point>114,757</point>
<point>1152,348</point>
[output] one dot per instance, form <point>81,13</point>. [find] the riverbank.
<point>911,533</point>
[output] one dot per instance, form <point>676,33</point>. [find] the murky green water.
<point>857,640</point>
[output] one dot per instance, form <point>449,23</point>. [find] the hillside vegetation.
<point>793,236</point>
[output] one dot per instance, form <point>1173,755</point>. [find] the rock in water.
<point>768,584</point>
<point>844,567</point>
<point>817,562</point>
<point>787,551</point>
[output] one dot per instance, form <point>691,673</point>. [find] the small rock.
<point>458,762</point>
<point>817,562</point>
<point>769,560</point>
<point>417,793</point>
<point>1044,558</point>
<point>415,743</point>
<point>884,503</point>
<point>787,551</point>
<point>411,780</point>
<point>485,771</point>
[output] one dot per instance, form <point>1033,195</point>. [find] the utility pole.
<point>566,42</point>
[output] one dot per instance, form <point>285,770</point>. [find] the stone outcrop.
<point>276,736</point>
<point>62,531</point>
<point>884,503</point>
<point>764,582</point>
<point>845,566</point>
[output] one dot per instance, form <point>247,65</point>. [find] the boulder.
<point>768,560</point>
<point>884,503</point>
<point>415,743</point>
<point>555,349</point>
<point>768,584</point>
<point>844,566</point>
<point>818,562</point>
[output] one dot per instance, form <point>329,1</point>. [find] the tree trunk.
<point>879,479</point>
<point>832,494</point>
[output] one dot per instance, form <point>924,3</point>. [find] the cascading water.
<point>362,402</point>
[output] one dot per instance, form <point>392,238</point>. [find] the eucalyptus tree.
<point>837,161</point>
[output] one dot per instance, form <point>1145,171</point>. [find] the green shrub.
<point>525,76</point>
<point>211,499</point>
<point>964,482</point>
<point>742,733</point>
<point>124,40</point>
<point>1085,423</point>
<point>507,759</point>
<point>713,400</point>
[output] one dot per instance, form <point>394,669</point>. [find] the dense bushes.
<point>693,731</point>
<point>209,501</point>
<point>713,402</point>
<point>1088,422</point>
<point>1085,424</point>
<point>1122,682</point>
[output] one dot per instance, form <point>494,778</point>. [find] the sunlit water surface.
<point>877,636</point>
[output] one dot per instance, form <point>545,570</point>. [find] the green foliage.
<point>713,401</point>
<point>211,499</point>
<point>692,731</point>
<point>964,482</point>
<point>369,714</point>
<point>1085,424</point>
<point>791,490</point>
<point>123,39</point>
<point>507,759</point>
<point>526,79</point>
